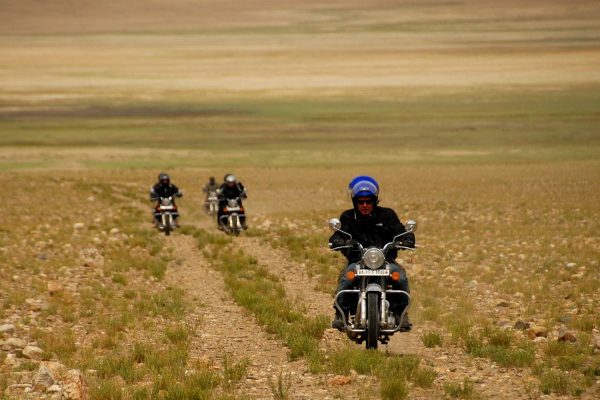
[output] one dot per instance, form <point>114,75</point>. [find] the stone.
<point>565,335</point>
<point>78,226</point>
<point>504,324</point>
<point>450,270</point>
<point>521,325</point>
<point>537,331</point>
<point>597,344</point>
<point>17,390</point>
<point>33,304</point>
<point>340,380</point>
<point>7,328</point>
<point>565,319</point>
<point>91,257</point>
<point>54,388</point>
<point>540,339</point>
<point>472,285</point>
<point>16,342</point>
<point>11,359</point>
<point>33,352</point>
<point>47,374</point>
<point>54,287</point>
<point>570,265</point>
<point>114,231</point>
<point>74,385</point>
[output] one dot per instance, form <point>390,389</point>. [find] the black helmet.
<point>211,179</point>
<point>163,177</point>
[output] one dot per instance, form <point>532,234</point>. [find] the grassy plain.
<point>481,121</point>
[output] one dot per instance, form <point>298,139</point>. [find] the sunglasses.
<point>365,201</point>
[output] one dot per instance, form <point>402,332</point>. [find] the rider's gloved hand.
<point>337,242</point>
<point>408,241</point>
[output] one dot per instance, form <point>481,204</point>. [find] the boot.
<point>405,324</point>
<point>338,321</point>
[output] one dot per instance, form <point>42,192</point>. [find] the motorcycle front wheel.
<point>372,320</point>
<point>167,225</point>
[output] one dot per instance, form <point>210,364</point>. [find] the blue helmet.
<point>359,178</point>
<point>366,187</point>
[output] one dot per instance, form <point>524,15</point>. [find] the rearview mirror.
<point>335,224</point>
<point>411,226</point>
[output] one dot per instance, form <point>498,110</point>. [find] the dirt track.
<point>227,328</point>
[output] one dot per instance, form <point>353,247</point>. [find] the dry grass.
<point>479,120</point>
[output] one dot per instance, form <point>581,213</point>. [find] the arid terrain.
<point>480,119</point>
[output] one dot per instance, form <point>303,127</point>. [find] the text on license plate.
<point>372,272</point>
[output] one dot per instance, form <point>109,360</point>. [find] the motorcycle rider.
<point>229,190</point>
<point>370,225</point>
<point>208,188</point>
<point>163,188</point>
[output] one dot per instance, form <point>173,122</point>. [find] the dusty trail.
<point>277,261</point>
<point>227,328</point>
<point>450,363</point>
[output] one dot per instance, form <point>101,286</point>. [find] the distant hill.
<point>87,16</point>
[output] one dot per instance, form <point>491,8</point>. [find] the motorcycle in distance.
<point>372,320</point>
<point>231,218</point>
<point>212,204</point>
<point>166,210</point>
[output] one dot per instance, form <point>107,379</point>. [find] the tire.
<point>372,320</point>
<point>168,225</point>
<point>235,222</point>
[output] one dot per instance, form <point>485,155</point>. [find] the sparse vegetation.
<point>498,164</point>
<point>461,390</point>
<point>432,339</point>
<point>281,388</point>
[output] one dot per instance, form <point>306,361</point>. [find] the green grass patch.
<point>432,339</point>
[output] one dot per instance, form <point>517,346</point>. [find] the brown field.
<point>480,119</point>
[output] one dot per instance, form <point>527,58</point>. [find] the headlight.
<point>373,258</point>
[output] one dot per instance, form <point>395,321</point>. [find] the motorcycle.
<point>212,203</point>
<point>166,210</point>
<point>231,220</point>
<point>372,321</point>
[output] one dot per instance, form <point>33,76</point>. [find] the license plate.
<point>372,272</point>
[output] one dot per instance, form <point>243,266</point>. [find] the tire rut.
<point>451,363</point>
<point>227,328</point>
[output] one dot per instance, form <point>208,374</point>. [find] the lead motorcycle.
<point>372,321</point>
<point>231,218</point>
<point>167,214</point>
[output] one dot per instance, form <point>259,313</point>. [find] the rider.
<point>229,190</point>
<point>210,187</point>
<point>163,188</point>
<point>370,225</point>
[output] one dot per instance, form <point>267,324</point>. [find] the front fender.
<point>373,287</point>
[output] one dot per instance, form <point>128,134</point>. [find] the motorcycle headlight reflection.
<point>373,258</point>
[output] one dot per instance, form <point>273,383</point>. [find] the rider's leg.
<point>344,283</point>
<point>400,302</point>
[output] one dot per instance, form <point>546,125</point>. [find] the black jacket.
<point>159,190</point>
<point>226,192</point>
<point>377,229</point>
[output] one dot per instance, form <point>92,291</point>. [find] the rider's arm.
<point>176,191</point>
<point>397,228</point>
<point>153,195</point>
<point>242,189</point>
